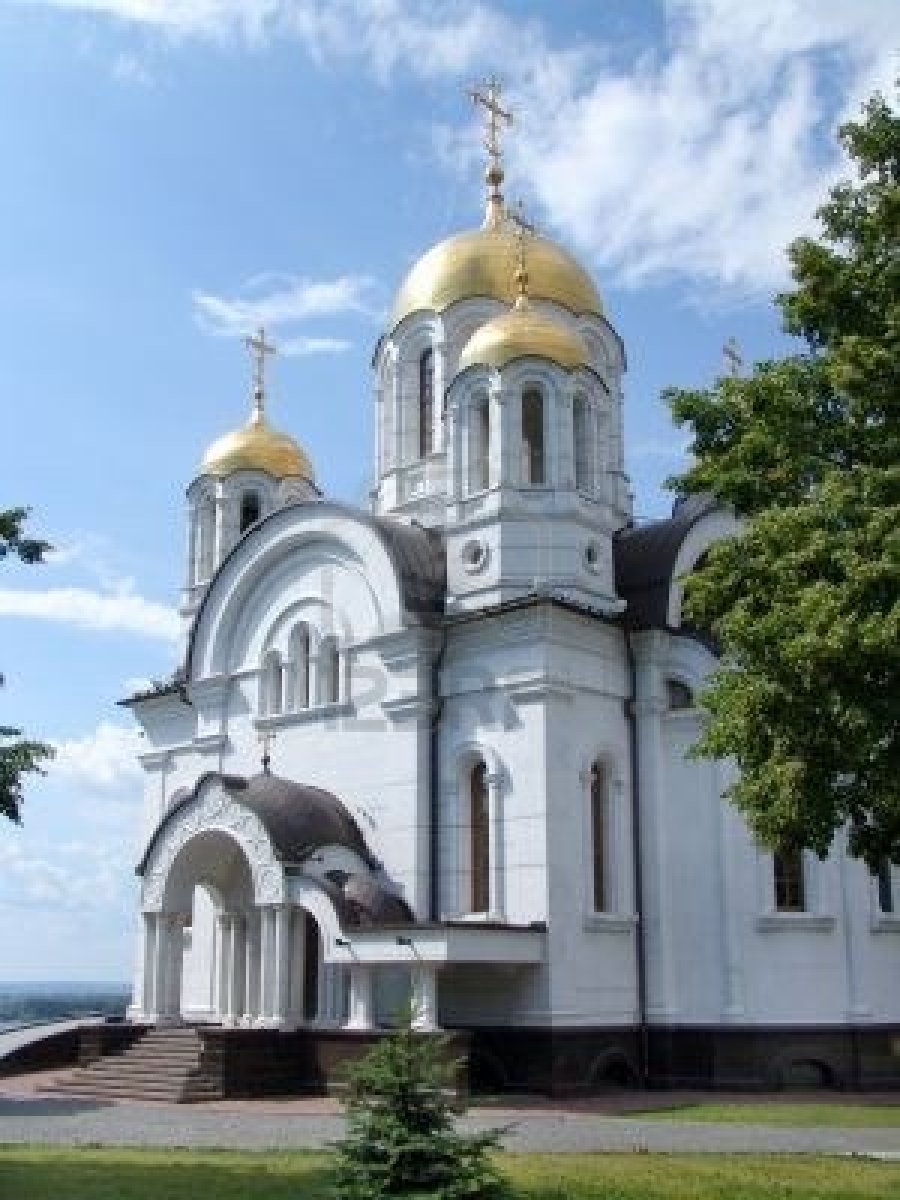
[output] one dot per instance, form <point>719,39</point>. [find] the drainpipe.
<point>640,942</point>
<point>437,709</point>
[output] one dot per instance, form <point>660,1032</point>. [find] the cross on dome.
<point>733,358</point>
<point>524,229</point>
<point>487,96</point>
<point>259,348</point>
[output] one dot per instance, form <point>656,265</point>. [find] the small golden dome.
<point>257,447</point>
<point>481,262</point>
<point>522,332</point>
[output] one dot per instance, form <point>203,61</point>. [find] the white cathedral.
<point>437,750</point>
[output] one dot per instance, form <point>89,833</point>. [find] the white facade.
<point>476,675</point>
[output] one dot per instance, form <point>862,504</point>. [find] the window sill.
<point>304,716</point>
<point>794,920</point>
<point>883,922</point>
<point>610,921</point>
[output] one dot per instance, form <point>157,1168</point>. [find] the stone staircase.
<point>166,1064</point>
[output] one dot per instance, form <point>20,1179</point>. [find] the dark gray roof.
<point>644,559</point>
<point>299,819</point>
<point>362,902</point>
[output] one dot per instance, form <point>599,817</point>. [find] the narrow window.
<point>300,667</point>
<point>678,694</point>
<point>250,510</point>
<point>789,890</point>
<point>426,403</point>
<point>479,445</point>
<point>885,887</point>
<point>311,966</point>
<point>533,468</point>
<point>480,840</point>
<point>599,870</point>
<point>330,671</point>
<point>582,447</point>
<point>206,538</point>
<point>272,698</point>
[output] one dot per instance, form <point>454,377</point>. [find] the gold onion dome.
<point>481,262</point>
<point>257,447</point>
<point>522,332</point>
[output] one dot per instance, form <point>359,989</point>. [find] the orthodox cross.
<point>732,355</point>
<point>259,348</point>
<point>487,96</point>
<point>265,740</point>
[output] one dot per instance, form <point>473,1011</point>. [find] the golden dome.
<point>257,447</point>
<point>481,262</point>
<point>523,331</point>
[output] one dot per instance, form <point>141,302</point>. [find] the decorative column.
<point>175,949</point>
<point>497,474</point>
<point>732,945</point>
<point>650,705</point>
<point>282,979</point>
<point>565,449</point>
<point>148,996</point>
<point>361,1006</point>
<point>424,997</point>
<point>223,988</point>
<point>496,906</point>
<point>161,965</point>
<point>266,964</point>
<point>236,954</point>
<point>251,966</point>
<point>855,938</point>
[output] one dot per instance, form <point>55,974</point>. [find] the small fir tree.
<point>401,1139</point>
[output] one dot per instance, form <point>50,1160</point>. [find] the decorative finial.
<point>733,359</point>
<point>524,228</point>
<point>265,740</point>
<point>259,348</point>
<point>488,97</point>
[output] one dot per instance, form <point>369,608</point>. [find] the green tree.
<point>18,756</point>
<point>805,603</point>
<point>401,1139</point>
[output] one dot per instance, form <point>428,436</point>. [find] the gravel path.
<point>314,1123</point>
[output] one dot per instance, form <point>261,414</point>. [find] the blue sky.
<point>176,170</point>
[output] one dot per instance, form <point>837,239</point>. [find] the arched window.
<point>272,685</point>
<point>329,671</point>
<point>479,445</point>
<point>250,510</point>
<point>480,851</point>
<point>533,465</point>
<point>299,652</point>
<point>206,540</point>
<point>678,694</point>
<point>426,403</point>
<point>600,890</point>
<point>582,448</point>
<point>790,890</point>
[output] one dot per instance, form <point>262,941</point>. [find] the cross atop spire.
<point>731,352</point>
<point>259,348</point>
<point>487,96</point>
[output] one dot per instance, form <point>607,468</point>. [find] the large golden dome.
<point>481,262</point>
<point>521,332</point>
<point>257,447</point>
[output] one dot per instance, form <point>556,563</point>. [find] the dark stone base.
<point>583,1061</point>
<point>71,1047</point>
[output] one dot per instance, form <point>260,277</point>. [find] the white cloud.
<point>130,70</point>
<point>121,609</point>
<point>277,300</point>
<point>298,347</point>
<point>701,159</point>
<point>105,759</point>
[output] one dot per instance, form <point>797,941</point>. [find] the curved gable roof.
<point>644,558</point>
<point>299,819</point>
<point>417,555</point>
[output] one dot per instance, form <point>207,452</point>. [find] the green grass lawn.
<point>72,1173</point>
<point>777,1112</point>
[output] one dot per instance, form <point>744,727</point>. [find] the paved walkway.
<point>27,1116</point>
